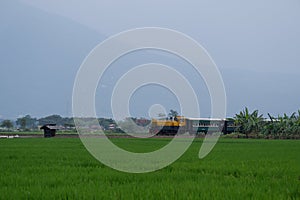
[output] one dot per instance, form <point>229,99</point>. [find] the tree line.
<point>253,124</point>
<point>247,124</point>
<point>28,123</point>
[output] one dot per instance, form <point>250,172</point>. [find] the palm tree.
<point>297,124</point>
<point>286,126</point>
<point>248,122</point>
<point>173,113</point>
<point>271,128</point>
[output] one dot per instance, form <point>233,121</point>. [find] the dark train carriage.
<point>229,126</point>
<point>204,125</point>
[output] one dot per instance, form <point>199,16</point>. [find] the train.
<point>193,126</point>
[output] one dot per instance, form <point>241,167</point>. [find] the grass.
<point>61,168</point>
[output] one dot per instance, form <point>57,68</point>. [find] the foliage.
<point>248,122</point>
<point>7,124</point>
<point>285,127</point>
<point>57,119</point>
<point>173,113</point>
<point>27,122</point>
<point>251,124</point>
<point>105,122</point>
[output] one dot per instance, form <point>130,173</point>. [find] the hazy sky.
<point>261,35</point>
<point>255,44</point>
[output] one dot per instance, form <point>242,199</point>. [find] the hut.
<point>49,130</point>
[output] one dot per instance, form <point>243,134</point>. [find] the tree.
<point>270,127</point>
<point>283,126</point>
<point>173,113</point>
<point>248,122</point>
<point>27,122</point>
<point>21,122</point>
<point>7,124</point>
<point>52,119</point>
<point>105,123</point>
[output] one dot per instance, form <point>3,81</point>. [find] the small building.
<point>49,130</point>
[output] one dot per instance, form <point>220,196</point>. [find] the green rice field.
<point>61,168</point>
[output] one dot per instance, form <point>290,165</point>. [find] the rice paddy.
<point>61,168</point>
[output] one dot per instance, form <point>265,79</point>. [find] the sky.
<point>255,45</point>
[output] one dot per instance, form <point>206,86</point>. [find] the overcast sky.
<point>261,35</point>
<point>255,44</point>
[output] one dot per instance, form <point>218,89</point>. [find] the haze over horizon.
<point>255,45</point>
